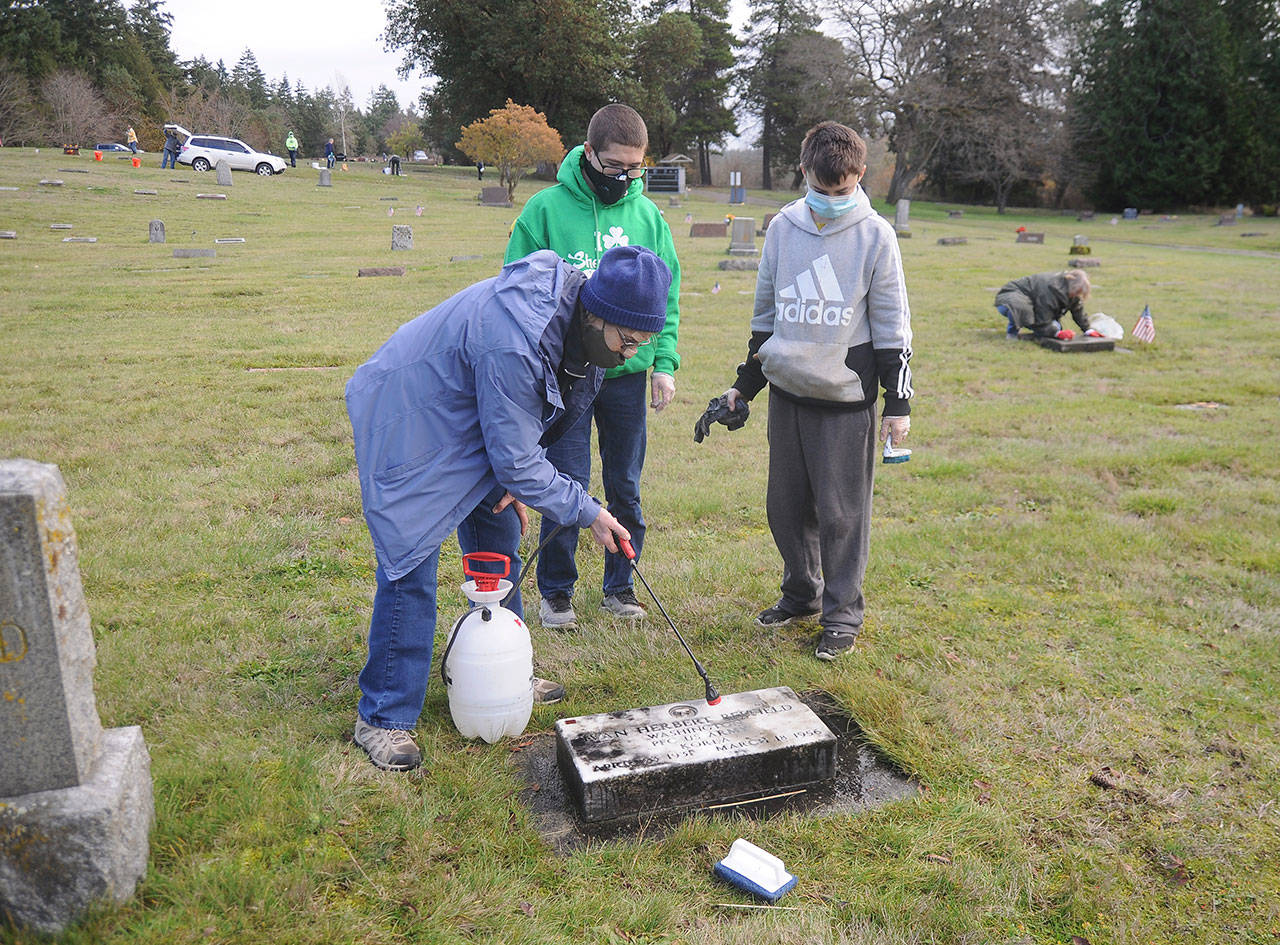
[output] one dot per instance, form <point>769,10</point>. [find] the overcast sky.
<point>321,42</point>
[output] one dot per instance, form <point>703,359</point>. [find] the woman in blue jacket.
<point>452,417</point>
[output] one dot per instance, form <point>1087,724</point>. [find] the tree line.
<point>1152,103</point>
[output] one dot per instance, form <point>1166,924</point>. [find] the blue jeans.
<point>170,159</point>
<point>619,412</point>
<point>328,160</point>
<point>393,683</point>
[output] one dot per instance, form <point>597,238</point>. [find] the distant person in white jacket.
<point>831,327</point>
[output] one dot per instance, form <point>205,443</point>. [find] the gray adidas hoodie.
<point>831,314</point>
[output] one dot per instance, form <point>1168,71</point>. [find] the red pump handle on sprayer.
<point>713,697</point>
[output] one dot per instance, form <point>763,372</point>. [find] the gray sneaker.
<point>546,692</point>
<point>780,615</point>
<point>556,612</point>
<point>391,749</point>
<point>623,604</point>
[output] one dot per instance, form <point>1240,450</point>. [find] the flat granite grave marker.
<point>494,197</point>
<point>223,170</point>
<point>401,237</point>
<point>211,196</point>
<point>739,264</point>
<point>1080,344</point>
<point>79,239</point>
<point>75,801</point>
<point>1078,263</point>
<point>8,188</point>
<point>229,239</point>
<point>60,226</point>
<point>145,193</point>
<point>155,231</point>
<point>50,183</point>
<point>194,253</point>
<point>466,258</point>
<point>1025,237</point>
<point>952,240</point>
<point>380,271</point>
<point>8,234</point>
<point>753,744</point>
<point>700,230</point>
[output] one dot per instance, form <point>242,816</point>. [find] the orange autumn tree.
<point>514,139</point>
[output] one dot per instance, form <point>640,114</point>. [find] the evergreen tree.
<point>248,78</point>
<point>764,80</point>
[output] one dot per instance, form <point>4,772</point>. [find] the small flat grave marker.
<point>194,253</point>
<point>739,264</point>
<point>60,226</point>
<point>1080,344</point>
<point>954,214</point>
<point>8,188</point>
<point>701,230</point>
<point>1081,263</point>
<point>388,198</point>
<point>72,170</point>
<point>145,193</point>
<point>372,271</point>
<point>179,180</point>
<point>211,196</point>
<point>50,183</point>
<point>1030,237</point>
<point>463,258</point>
<point>1085,215</point>
<point>683,754</point>
<point>952,240</point>
<point>79,239</point>
<point>8,234</point>
<point>1253,234</point>
<point>229,239</point>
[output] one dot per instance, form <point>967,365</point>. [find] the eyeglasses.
<point>626,342</point>
<point>614,171</point>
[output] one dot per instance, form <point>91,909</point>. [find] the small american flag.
<point>715,288</point>
<point>1145,330</point>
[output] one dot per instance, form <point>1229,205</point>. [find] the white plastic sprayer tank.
<point>488,661</point>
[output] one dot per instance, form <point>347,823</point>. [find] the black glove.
<point>718,412</point>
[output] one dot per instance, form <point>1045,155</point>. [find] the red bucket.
<point>486,580</point>
<point>137,162</point>
<point>97,155</point>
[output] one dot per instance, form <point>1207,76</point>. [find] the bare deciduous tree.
<point>18,122</point>
<point>74,111</point>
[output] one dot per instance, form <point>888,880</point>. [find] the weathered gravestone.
<point>155,232</point>
<point>211,196</point>
<point>750,745</point>
<point>194,253</point>
<point>326,178</point>
<point>952,240</point>
<point>401,237</point>
<point>1131,213</point>
<point>1079,263</point>
<point>50,183</point>
<point>739,264</point>
<point>1080,245</point>
<point>75,801</point>
<point>743,240</point>
<point>700,230</point>
<point>494,197</point>
<point>902,218</point>
<point>954,214</point>
<point>1085,215</point>
<point>8,234</point>
<point>1025,237</point>
<point>370,271</point>
<point>224,172</point>
<point>145,193</point>
<point>1226,219</point>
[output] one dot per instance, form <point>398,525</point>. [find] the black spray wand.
<point>713,697</point>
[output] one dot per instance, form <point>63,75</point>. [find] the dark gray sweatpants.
<point>821,468</point>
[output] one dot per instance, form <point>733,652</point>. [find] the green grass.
<point>1072,574</point>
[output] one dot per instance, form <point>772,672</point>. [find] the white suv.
<point>204,151</point>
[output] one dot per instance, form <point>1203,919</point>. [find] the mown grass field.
<point>1074,578</point>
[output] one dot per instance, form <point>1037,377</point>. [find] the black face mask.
<point>609,189</point>
<point>596,350</point>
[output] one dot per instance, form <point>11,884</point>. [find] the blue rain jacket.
<point>465,398</point>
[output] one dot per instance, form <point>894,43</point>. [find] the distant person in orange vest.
<point>131,139</point>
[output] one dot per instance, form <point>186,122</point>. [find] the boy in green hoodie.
<point>600,203</point>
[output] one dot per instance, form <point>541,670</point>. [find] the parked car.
<point>113,146</point>
<point>204,151</point>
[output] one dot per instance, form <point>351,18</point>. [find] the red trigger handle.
<point>627,549</point>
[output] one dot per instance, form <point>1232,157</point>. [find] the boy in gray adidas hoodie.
<point>831,327</point>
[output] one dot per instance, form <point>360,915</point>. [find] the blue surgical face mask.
<point>829,207</point>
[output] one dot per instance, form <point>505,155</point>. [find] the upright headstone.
<point>326,178</point>
<point>75,801</point>
<point>401,237</point>
<point>743,241</point>
<point>1080,245</point>
<point>224,172</point>
<point>494,197</point>
<point>1131,213</point>
<point>155,233</point>
<point>737,192</point>
<point>902,218</point>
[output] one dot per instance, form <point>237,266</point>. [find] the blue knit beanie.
<point>629,289</point>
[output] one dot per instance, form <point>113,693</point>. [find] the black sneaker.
<point>834,644</point>
<point>779,615</point>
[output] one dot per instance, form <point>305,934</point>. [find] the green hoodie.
<point>570,219</point>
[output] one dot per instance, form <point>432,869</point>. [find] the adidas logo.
<point>815,297</point>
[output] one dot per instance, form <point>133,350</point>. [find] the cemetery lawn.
<point>1073,597</point>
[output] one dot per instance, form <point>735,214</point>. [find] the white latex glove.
<point>897,427</point>
<point>663,389</point>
